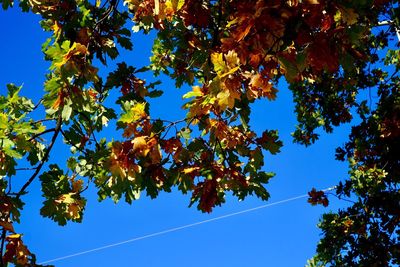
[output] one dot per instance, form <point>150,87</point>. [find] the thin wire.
<point>180,227</point>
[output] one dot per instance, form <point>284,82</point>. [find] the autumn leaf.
<point>196,92</point>
<point>140,145</point>
<point>235,52</point>
<point>75,50</point>
<point>134,111</point>
<point>347,15</point>
<point>16,251</point>
<point>260,87</point>
<point>218,62</point>
<point>317,197</point>
<point>7,226</point>
<point>190,170</point>
<point>225,67</point>
<point>225,99</point>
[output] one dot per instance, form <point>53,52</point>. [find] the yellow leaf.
<point>232,22</point>
<point>223,68</point>
<point>225,99</point>
<point>3,121</point>
<point>74,209</point>
<point>231,71</point>
<point>134,113</point>
<point>65,198</point>
<point>116,169</point>
<point>218,62</point>
<point>140,145</point>
<point>175,5</point>
<point>260,87</point>
<point>76,49</point>
<point>14,236</point>
<point>346,15</point>
<point>56,29</point>
<point>232,59</point>
<point>138,111</point>
<point>156,7</point>
<point>349,16</point>
<point>190,170</point>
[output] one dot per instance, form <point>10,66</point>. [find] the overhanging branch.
<point>45,157</point>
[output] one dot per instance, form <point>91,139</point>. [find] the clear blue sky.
<point>281,236</point>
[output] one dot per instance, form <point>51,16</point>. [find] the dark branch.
<point>26,169</point>
<point>42,133</point>
<point>3,239</point>
<point>57,129</point>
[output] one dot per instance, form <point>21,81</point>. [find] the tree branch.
<point>3,239</point>
<point>26,169</point>
<point>38,103</point>
<point>390,23</point>
<point>45,157</point>
<point>42,133</point>
<point>80,149</point>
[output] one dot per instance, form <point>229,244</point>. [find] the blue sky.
<point>281,235</point>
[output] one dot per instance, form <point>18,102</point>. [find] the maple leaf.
<point>196,92</point>
<point>226,99</point>
<point>207,194</point>
<point>225,67</point>
<point>231,59</point>
<point>140,145</point>
<point>74,205</point>
<point>172,146</point>
<point>317,197</point>
<point>172,7</point>
<point>75,50</point>
<point>134,111</point>
<point>16,251</point>
<point>76,185</point>
<point>347,15</point>
<point>218,62</point>
<point>260,86</point>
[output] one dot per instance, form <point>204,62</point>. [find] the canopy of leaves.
<point>231,53</point>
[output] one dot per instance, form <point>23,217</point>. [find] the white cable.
<point>179,228</point>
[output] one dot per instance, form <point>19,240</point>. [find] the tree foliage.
<point>231,53</point>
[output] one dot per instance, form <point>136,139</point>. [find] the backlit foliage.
<point>230,53</point>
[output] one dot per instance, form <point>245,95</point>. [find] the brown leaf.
<point>7,226</point>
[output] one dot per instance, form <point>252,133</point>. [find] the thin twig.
<point>89,121</point>
<point>43,120</point>
<point>26,169</point>
<point>340,198</point>
<point>38,104</point>
<point>80,149</point>
<point>42,133</point>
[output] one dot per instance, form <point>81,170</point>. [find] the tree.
<point>231,53</point>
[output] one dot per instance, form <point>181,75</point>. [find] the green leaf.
<point>6,4</point>
<point>185,133</point>
<point>66,112</point>
<point>12,153</point>
<point>155,93</point>
<point>192,94</point>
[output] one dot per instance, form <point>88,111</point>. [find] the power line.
<point>180,227</point>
